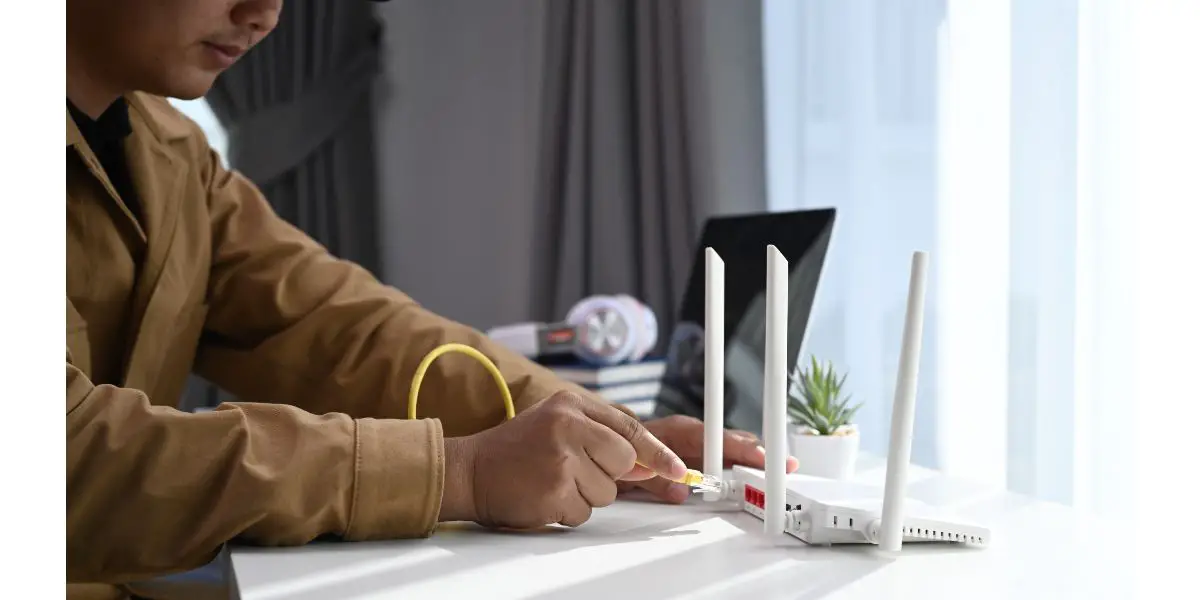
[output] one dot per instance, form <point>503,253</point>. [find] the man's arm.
<point>290,323</point>
<point>152,490</point>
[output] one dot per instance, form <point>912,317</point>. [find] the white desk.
<point>642,549</point>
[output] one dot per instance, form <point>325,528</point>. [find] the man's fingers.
<point>744,436</point>
<point>575,510</point>
<point>610,452</point>
<point>596,487</point>
<point>669,491</point>
<point>649,450</point>
<point>792,463</point>
<point>741,448</point>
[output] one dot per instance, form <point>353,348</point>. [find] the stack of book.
<point>634,385</point>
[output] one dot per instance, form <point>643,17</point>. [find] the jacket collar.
<point>159,169</point>
<point>156,166</point>
<point>164,130</point>
<point>74,136</point>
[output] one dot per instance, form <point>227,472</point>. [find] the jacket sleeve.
<point>141,501</point>
<point>289,322</point>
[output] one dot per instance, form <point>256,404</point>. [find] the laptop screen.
<point>803,239</point>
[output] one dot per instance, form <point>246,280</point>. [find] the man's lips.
<point>233,52</point>
<point>222,56</point>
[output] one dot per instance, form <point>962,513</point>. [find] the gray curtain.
<point>619,178</point>
<point>297,109</point>
<point>550,149</point>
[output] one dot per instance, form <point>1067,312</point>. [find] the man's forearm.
<point>266,473</point>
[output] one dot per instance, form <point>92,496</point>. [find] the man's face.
<point>166,47</point>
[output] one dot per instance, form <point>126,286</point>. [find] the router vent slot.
<point>934,534</point>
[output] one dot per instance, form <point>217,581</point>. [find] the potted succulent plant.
<point>823,436</point>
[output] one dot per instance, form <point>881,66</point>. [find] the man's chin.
<point>190,88</point>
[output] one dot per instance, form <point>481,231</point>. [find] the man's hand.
<point>685,435</point>
<point>552,463</point>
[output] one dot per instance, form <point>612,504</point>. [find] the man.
<point>175,264</point>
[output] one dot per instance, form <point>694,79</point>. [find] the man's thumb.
<point>639,473</point>
<point>665,489</point>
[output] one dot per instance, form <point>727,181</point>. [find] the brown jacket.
<point>210,279</point>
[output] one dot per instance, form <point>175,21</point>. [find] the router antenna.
<point>891,522</point>
<point>775,391</point>
<point>714,368</point>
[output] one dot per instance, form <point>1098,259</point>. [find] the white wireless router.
<point>815,510</point>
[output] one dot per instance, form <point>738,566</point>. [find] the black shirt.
<point>106,137</point>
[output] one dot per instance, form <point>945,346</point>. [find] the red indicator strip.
<point>755,497</point>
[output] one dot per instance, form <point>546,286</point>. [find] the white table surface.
<point>643,549</point>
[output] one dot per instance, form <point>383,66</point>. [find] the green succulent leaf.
<point>816,400</point>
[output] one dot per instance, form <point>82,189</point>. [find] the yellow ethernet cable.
<point>509,410</point>
<point>693,478</point>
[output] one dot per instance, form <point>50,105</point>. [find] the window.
<point>199,111</point>
<point>1023,143</point>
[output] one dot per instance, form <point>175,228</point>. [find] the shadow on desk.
<point>633,548</point>
<point>711,570</point>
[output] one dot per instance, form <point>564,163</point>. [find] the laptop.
<point>803,238</point>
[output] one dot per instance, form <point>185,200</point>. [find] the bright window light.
<point>199,111</point>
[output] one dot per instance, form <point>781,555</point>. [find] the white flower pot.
<point>829,456</point>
